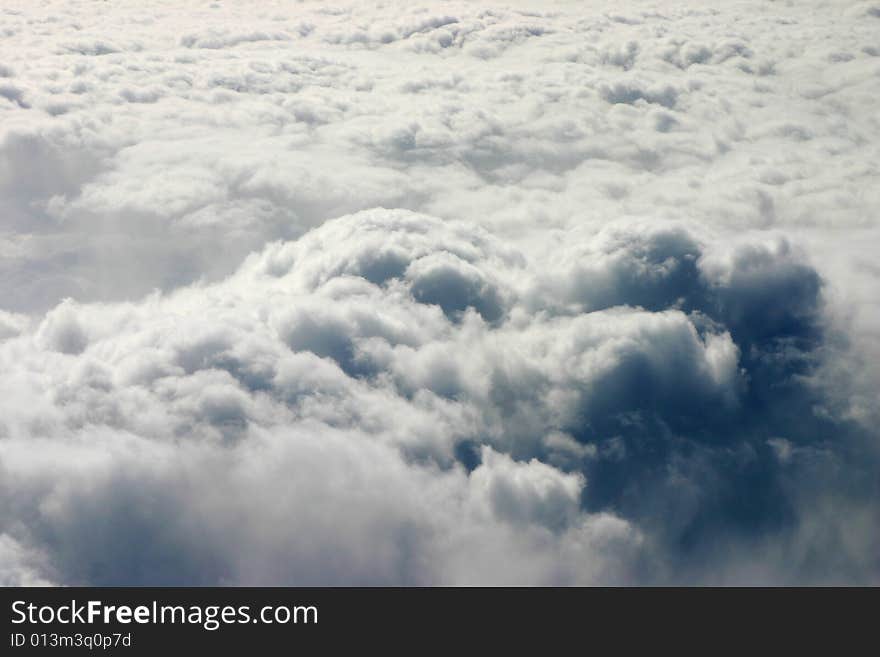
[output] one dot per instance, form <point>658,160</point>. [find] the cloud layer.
<point>459,294</point>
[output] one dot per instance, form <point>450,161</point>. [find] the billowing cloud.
<point>310,294</point>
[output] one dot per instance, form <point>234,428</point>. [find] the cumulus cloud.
<point>498,294</point>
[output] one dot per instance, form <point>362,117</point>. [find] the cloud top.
<point>579,293</point>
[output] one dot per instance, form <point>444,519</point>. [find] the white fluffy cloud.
<point>508,292</point>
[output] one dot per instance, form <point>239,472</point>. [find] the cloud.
<point>326,351</point>
<point>496,294</point>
